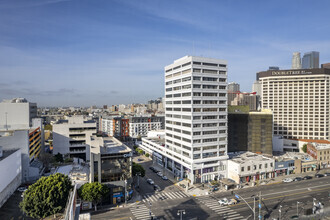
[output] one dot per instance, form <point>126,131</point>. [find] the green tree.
<point>147,154</point>
<point>137,168</point>
<point>59,157</point>
<point>93,192</point>
<point>304,148</point>
<point>47,196</point>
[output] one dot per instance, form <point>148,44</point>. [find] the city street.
<point>167,203</point>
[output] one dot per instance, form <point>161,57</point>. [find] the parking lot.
<point>10,210</point>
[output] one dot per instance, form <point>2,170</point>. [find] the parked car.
<point>150,181</point>
<point>155,170</point>
<point>327,174</point>
<point>298,178</point>
<point>223,201</point>
<point>21,189</point>
<point>139,159</point>
<point>287,180</point>
<point>182,185</point>
<point>164,177</point>
<point>318,175</point>
<point>157,188</point>
<point>307,177</point>
<point>151,168</point>
<point>160,174</point>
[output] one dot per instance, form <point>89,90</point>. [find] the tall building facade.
<point>296,61</point>
<point>300,101</point>
<point>311,60</point>
<point>196,117</point>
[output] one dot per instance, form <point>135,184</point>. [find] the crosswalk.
<point>224,211</point>
<point>141,211</point>
<point>164,196</point>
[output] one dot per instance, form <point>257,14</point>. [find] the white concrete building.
<point>11,173</point>
<point>29,143</point>
<point>196,118</point>
<point>17,113</point>
<point>140,126</point>
<point>250,167</point>
<point>69,137</point>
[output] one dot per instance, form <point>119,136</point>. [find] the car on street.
<point>157,188</point>
<point>160,174</point>
<point>223,201</point>
<point>318,175</point>
<point>232,202</point>
<point>182,185</point>
<point>164,178</point>
<point>21,189</point>
<point>307,177</point>
<point>287,180</point>
<point>152,168</point>
<point>150,181</point>
<point>298,178</point>
<point>326,174</point>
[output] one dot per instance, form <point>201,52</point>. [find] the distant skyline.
<point>107,52</point>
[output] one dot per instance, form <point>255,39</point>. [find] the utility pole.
<point>260,205</point>
<point>297,208</point>
<point>254,207</point>
<point>279,212</point>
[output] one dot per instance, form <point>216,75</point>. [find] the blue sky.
<point>95,52</point>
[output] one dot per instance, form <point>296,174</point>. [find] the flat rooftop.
<point>242,157</point>
<point>159,141</point>
<point>7,153</point>
<point>113,146</point>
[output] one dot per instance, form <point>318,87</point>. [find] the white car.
<point>160,174</point>
<point>150,181</point>
<point>165,178</point>
<point>21,189</point>
<point>223,201</point>
<point>287,180</point>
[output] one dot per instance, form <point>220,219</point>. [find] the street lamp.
<point>279,212</point>
<point>297,208</point>
<point>254,204</point>
<point>314,207</point>
<point>181,212</point>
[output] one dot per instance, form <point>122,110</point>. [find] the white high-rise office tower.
<point>296,60</point>
<point>196,117</point>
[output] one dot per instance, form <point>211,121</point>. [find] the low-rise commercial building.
<point>11,173</point>
<point>321,153</point>
<point>244,167</point>
<point>111,164</point>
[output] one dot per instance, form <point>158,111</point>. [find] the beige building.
<point>320,152</point>
<point>299,100</point>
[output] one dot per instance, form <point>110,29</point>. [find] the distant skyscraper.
<point>273,68</point>
<point>296,61</point>
<point>233,87</point>
<point>310,60</point>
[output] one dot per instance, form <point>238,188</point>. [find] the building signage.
<point>118,194</point>
<point>290,72</point>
